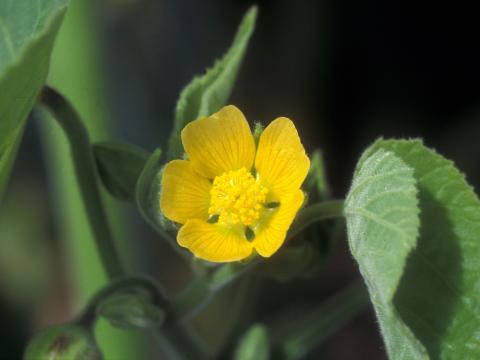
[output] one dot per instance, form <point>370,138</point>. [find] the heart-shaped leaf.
<point>27,34</point>
<point>436,297</point>
<point>382,222</point>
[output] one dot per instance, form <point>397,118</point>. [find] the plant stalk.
<point>331,209</point>
<point>87,177</point>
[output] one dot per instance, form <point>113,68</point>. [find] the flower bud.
<point>62,342</point>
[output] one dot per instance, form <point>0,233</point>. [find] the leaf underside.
<point>119,166</point>
<point>382,223</point>
<point>436,298</point>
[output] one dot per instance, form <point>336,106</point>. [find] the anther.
<point>249,234</point>
<point>272,205</point>
<point>213,219</point>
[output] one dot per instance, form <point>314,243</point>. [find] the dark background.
<point>346,72</point>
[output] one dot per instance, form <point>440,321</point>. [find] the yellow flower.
<point>229,196</point>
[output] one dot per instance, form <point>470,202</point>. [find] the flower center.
<point>236,197</point>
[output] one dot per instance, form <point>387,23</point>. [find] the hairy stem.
<point>320,211</point>
<point>86,176</point>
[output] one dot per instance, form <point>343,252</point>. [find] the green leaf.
<point>26,259</point>
<point>382,223</point>
<point>119,166</point>
<point>254,345</point>
<point>206,94</point>
<point>438,293</point>
<point>131,310</point>
<point>27,34</point>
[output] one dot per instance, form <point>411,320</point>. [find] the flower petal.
<point>271,235</point>
<point>281,162</point>
<point>219,143</point>
<point>214,242</point>
<point>185,194</point>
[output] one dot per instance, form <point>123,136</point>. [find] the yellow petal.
<point>219,143</point>
<point>281,162</point>
<point>213,242</point>
<point>271,235</point>
<point>185,194</point>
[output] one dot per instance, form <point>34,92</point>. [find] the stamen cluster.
<point>237,198</point>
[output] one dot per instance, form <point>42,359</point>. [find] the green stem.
<point>86,176</point>
<point>199,292</point>
<point>331,209</point>
<point>295,338</point>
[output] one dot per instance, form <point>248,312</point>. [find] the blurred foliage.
<point>63,342</point>
<point>26,252</point>
<point>254,344</point>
